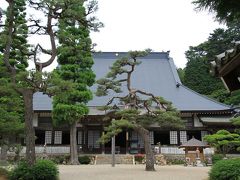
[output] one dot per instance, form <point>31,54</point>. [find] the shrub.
<point>139,158</point>
<point>84,159</point>
<point>217,157</point>
<point>22,171</point>
<point>58,159</point>
<point>226,170</point>
<point>41,170</point>
<point>45,170</point>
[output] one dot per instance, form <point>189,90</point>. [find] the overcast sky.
<point>160,25</point>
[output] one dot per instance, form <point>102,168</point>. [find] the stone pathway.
<point>131,172</point>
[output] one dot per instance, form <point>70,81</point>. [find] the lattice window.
<point>93,137</point>
<point>203,133</point>
<point>58,137</point>
<point>140,141</point>
<point>80,135</point>
<point>173,137</point>
<point>48,137</point>
<point>183,136</point>
<point>136,136</point>
<point>151,137</point>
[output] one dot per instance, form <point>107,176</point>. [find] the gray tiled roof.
<point>157,74</point>
<point>194,143</point>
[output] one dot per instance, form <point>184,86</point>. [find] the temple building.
<point>227,67</point>
<point>156,74</point>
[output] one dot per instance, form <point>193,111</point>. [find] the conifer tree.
<point>75,62</point>
<point>197,72</point>
<point>16,52</point>
<point>11,110</point>
<point>224,10</point>
<point>141,108</point>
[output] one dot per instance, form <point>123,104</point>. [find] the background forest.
<point>196,75</point>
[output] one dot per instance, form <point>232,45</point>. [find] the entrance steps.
<point>119,159</point>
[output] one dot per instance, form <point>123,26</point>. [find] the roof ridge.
<point>206,97</point>
<point>174,71</point>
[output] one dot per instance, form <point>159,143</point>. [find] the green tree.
<point>141,108</point>
<point>16,52</point>
<point>11,110</point>
<point>223,141</point>
<point>224,10</point>
<point>198,77</point>
<point>75,60</point>
<point>236,122</point>
<point>181,74</point>
<point>14,48</point>
<point>197,72</point>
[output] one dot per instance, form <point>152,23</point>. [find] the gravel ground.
<point>131,172</point>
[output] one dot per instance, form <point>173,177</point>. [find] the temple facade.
<point>156,74</point>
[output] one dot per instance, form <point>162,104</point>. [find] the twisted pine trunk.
<point>144,133</point>
<point>73,144</point>
<point>29,129</point>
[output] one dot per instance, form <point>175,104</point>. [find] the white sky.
<point>160,25</point>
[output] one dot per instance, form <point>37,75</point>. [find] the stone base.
<point>199,163</point>
<point>160,160</point>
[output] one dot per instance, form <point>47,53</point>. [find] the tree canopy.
<point>74,71</point>
<point>223,141</point>
<point>224,10</point>
<point>197,72</point>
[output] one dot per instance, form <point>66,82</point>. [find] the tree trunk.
<point>73,144</point>
<point>4,149</point>
<point>29,129</point>
<point>144,133</point>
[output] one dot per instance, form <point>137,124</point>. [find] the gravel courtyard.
<point>131,172</point>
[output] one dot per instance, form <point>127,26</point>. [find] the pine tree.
<point>142,108</point>
<point>74,71</point>
<point>224,10</point>
<point>16,52</point>
<point>11,110</point>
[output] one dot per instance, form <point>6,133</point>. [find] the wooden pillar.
<point>86,138</point>
<point>113,152</point>
<point>103,145</point>
<point>178,138</point>
<point>127,142</point>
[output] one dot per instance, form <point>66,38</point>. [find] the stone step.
<point>119,159</point>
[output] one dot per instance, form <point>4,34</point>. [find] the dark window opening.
<point>65,137</point>
<point>120,143</point>
<point>162,137</point>
<point>195,134</point>
<point>121,139</point>
<point>40,137</point>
